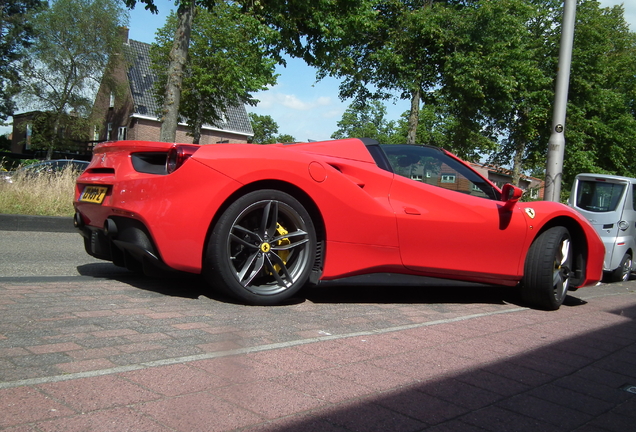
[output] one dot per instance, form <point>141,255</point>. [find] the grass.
<point>49,194</point>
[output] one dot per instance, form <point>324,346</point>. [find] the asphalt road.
<point>30,254</point>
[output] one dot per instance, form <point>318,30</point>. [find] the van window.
<point>633,197</point>
<point>598,196</point>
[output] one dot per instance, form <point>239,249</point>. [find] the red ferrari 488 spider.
<point>261,221</point>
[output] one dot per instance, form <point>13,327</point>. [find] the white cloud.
<point>333,113</point>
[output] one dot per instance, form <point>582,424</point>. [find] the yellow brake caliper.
<point>284,254</point>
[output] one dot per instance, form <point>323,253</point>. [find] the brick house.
<point>125,108</point>
<point>28,126</point>
<point>533,187</point>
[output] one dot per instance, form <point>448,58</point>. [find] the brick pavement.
<point>136,354</point>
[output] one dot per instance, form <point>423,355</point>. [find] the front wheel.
<point>548,268</point>
<point>262,248</point>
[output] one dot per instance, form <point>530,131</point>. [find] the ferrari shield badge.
<point>530,212</point>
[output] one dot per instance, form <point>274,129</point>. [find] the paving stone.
<point>102,352</point>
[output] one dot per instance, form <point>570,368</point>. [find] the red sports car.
<point>261,221</point>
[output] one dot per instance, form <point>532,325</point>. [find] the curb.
<point>10,222</point>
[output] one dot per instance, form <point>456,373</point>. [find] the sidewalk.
<point>454,368</point>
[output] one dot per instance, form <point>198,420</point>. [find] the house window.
<point>534,193</point>
<point>448,178</point>
<point>95,133</point>
<point>111,103</point>
<point>121,133</point>
<point>109,131</point>
<point>29,133</point>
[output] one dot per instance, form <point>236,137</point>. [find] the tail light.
<point>177,156</point>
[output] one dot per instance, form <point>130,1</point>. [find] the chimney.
<point>124,34</point>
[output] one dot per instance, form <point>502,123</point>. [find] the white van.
<point>609,203</point>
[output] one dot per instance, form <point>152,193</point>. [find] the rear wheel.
<point>547,270</point>
<point>623,272</point>
<point>262,249</point>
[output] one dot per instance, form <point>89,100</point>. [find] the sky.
<point>302,107</point>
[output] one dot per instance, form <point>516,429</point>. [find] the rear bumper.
<point>124,241</point>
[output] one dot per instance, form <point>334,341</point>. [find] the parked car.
<point>46,167</point>
<point>261,221</point>
<point>609,203</point>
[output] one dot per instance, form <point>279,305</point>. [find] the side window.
<point>432,166</point>
<point>634,196</point>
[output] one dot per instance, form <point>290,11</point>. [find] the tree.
<point>176,61</point>
<point>285,138</point>
<point>264,127</point>
<point>366,121</point>
<point>227,61</point>
<point>16,34</point>
<point>497,85</point>
<point>496,81</point>
<point>434,124</point>
<point>301,21</point>
<point>265,130</point>
<point>386,49</point>
<point>66,62</point>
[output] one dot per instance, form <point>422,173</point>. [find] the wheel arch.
<point>580,246</point>
<point>296,192</point>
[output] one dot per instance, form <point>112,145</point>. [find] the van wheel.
<point>623,272</point>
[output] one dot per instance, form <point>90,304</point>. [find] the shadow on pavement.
<point>382,288</point>
<point>583,383</point>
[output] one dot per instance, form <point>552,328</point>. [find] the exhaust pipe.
<point>78,222</point>
<point>110,228</point>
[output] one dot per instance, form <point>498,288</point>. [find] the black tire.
<point>624,271</point>
<point>262,249</point>
<point>547,269</point>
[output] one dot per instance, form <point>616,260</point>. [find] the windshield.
<point>597,196</point>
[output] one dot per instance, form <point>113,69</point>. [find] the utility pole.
<point>556,144</point>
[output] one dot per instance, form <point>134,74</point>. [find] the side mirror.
<point>510,194</point>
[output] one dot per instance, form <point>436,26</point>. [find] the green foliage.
<point>433,128</point>
<point>264,127</point>
<point>228,59</point>
<point>16,34</point>
<point>365,121</point>
<point>66,131</point>
<point>265,130</point>
<point>285,138</point>
<point>5,143</point>
<point>75,40</point>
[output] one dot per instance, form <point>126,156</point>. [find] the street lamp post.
<point>556,143</point>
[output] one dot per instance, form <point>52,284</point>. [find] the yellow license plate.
<point>94,194</point>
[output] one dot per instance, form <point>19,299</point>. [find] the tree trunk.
<point>414,116</point>
<point>196,132</point>
<point>55,138</point>
<point>178,57</point>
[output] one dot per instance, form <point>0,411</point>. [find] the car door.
<point>451,223</point>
